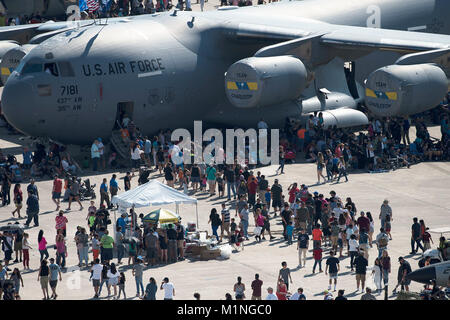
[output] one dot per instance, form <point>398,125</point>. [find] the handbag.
<point>257,231</point>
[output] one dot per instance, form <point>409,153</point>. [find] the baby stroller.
<point>143,176</point>
<point>87,190</point>
<point>237,240</point>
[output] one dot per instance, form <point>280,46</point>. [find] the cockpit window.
<point>65,69</point>
<point>31,68</point>
<point>51,69</point>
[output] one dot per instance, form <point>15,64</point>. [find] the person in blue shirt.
<point>27,160</point>
<point>290,232</point>
<point>122,222</point>
<point>104,196</point>
<point>113,186</point>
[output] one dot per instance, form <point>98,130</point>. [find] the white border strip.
<point>149,74</point>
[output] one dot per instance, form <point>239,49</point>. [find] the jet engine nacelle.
<point>398,90</point>
<point>11,60</point>
<point>262,81</point>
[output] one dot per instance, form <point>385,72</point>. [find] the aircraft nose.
<point>17,104</point>
<point>423,275</point>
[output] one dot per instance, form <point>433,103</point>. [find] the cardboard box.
<point>210,254</point>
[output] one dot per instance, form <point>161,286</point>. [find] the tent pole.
<point>196,213</point>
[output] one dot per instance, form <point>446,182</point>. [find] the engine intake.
<point>262,81</point>
<point>399,90</point>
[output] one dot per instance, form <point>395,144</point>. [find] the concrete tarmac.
<point>421,191</point>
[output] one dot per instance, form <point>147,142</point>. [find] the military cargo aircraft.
<point>232,66</point>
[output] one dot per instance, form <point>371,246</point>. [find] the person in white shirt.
<point>169,289</point>
<point>96,275</point>
<point>95,155</point>
<point>270,295</point>
<point>101,149</point>
<point>353,245</point>
<point>113,278</point>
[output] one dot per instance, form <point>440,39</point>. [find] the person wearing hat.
<point>384,211</point>
<point>327,295</point>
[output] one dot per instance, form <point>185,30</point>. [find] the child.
<point>132,252</point>
<point>26,251</point>
<point>268,196</point>
<point>233,225</point>
<point>203,183</point>
<point>387,226</point>
<point>91,218</point>
<point>95,246</point>
<point>317,254</point>
<point>122,286</point>
<point>289,232</point>
<point>426,238</point>
<point>221,184</point>
<point>341,242</point>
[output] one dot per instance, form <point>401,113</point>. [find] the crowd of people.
<point>121,8</point>
<point>327,227</point>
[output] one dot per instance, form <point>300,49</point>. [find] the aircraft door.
<point>124,110</point>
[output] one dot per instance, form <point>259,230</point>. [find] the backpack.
<point>383,242</point>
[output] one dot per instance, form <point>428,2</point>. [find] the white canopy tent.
<point>153,193</point>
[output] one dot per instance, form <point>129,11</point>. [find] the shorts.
<point>195,179</point>
<point>151,253</point>
<point>56,195</point>
<point>107,254</point>
<point>53,283</point>
<point>333,275</point>
<point>44,282</point>
<point>18,205</point>
<point>266,226</point>
<point>180,243</point>
<point>226,227</point>
<point>8,255</point>
<point>276,203</point>
<point>17,245</point>
<point>135,163</point>
<point>96,282</point>
<point>211,183</point>
<point>340,243</point>
<point>113,281</point>
<point>360,277</point>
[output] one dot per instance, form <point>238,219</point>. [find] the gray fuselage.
<point>170,68</point>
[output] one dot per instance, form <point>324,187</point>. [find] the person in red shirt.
<point>293,190</point>
<point>56,193</point>
<point>363,222</point>
<point>281,290</point>
<point>61,222</point>
<point>252,187</point>
<point>256,286</point>
<point>317,236</point>
<point>317,255</point>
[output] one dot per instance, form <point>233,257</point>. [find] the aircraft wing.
<point>323,41</point>
<point>384,39</point>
